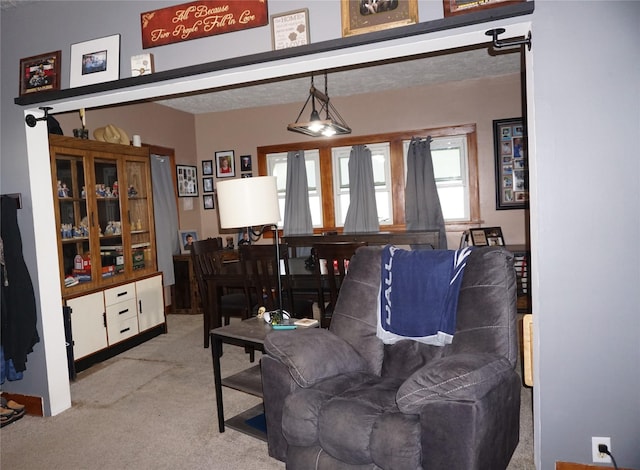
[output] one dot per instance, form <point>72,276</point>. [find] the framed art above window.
<point>511,164</point>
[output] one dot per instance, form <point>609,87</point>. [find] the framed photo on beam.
<point>460,7</point>
<point>365,16</point>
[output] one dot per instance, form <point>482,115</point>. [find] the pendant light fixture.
<point>332,124</point>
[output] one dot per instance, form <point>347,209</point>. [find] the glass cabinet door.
<point>140,218</point>
<point>74,221</point>
<point>112,261</point>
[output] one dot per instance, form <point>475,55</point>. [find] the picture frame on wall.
<point>364,16</point>
<point>208,201</point>
<point>207,167</point>
<point>207,184</point>
<point>245,162</point>
<point>225,164</point>
<point>486,236</point>
<point>511,164</point>
<point>460,7</point>
<point>40,73</point>
<point>187,179</point>
<point>290,29</point>
<point>95,61</point>
<point>187,237</point>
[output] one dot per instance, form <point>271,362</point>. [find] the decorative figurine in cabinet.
<point>106,235</point>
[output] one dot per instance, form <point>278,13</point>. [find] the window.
<point>380,157</point>
<point>454,155</point>
<point>450,167</point>
<point>277,166</point>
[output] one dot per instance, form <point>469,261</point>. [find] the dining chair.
<point>207,257</point>
<point>331,263</point>
<point>259,265</point>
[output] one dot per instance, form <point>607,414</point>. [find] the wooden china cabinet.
<point>106,246</point>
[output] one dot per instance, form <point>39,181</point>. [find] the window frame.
<point>395,140</point>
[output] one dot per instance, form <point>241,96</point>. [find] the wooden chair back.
<point>331,265</point>
<point>260,266</point>
<point>205,262</point>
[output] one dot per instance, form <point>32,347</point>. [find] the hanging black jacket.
<point>19,333</point>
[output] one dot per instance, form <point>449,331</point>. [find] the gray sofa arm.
<point>313,354</point>
<point>458,377</point>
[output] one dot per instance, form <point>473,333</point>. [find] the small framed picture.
<point>364,16</point>
<point>187,237</point>
<point>208,201</point>
<point>459,7</point>
<point>290,29</point>
<point>245,162</point>
<point>511,164</point>
<point>40,73</point>
<point>187,178</point>
<point>487,236</point>
<point>142,64</point>
<point>246,175</point>
<point>207,167</point>
<point>225,164</point>
<point>95,61</point>
<point>207,185</point>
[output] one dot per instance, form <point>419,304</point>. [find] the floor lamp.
<point>252,202</point>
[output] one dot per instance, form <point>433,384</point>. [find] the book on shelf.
<point>140,245</point>
<point>110,247</point>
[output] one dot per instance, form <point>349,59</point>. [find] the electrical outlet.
<point>599,457</point>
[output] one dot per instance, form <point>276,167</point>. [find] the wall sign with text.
<point>200,19</point>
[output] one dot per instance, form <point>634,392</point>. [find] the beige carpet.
<point>153,407</point>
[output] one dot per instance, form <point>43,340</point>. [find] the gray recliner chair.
<point>341,399</point>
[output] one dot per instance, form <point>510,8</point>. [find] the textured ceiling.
<point>454,66</point>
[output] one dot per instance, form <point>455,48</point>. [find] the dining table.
<point>230,276</point>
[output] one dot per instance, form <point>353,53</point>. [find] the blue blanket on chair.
<point>419,294</point>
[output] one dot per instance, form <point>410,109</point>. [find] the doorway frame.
<point>38,145</point>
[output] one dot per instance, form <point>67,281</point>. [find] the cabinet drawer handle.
<point>122,293</point>
<point>123,311</point>
<point>125,330</point>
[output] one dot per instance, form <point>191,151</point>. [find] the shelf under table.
<point>239,422</point>
<point>247,381</point>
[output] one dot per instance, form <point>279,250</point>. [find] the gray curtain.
<point>422,204</point>
<point>297,213</point>
<point>166,216</point>
<point>362,215</point>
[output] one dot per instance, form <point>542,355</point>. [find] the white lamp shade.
<point>248,202</point>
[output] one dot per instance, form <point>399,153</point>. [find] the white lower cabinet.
<point>150,295</point>
<point>88,324</point>
<point>102,319</point>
